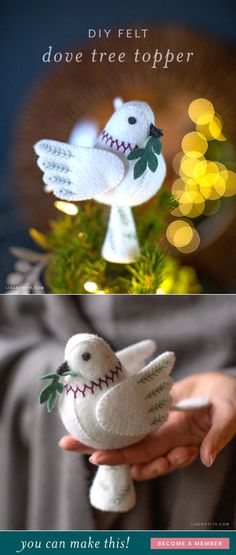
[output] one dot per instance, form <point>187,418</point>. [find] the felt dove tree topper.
<point>124,168</point>
<point>108,401</point>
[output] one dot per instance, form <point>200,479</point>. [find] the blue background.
<point>27,30</point>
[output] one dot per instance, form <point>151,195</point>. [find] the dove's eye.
<point>132,120</point>
<point>86,356</point>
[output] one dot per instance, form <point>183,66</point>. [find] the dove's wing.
<point>139,403</point>
<point>133,357</point>
<point>76,172</point>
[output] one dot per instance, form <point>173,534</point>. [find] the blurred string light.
<point>66,207</point>
<point>92,287</point>
<point>201,183</point>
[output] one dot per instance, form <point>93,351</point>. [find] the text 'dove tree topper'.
<point>125,168</point>
<point>110,401</point>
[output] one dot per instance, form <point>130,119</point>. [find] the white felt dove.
<point>124,168</point>
<point>109,401</point>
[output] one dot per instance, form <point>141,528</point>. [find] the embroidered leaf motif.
<point>60,151</point>
<point>50,165</point>
<point>146,156</point>
<point>159,389</point>
<point>151,374</point>
<point>122,495</point>
<point>158,420</point>
<point>103,486</point>
<point>159,405</point>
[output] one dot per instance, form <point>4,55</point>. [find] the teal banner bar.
<point>122,542</point>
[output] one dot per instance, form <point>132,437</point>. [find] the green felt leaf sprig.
<point>50,393</point>
<point>146,156</point>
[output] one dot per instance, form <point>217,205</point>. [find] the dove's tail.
<point>113,489</point>
<point>194,403</point>
<point>121,242</point>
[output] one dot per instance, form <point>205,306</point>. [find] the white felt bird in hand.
<point>124,168</point>
<point>109,401</point>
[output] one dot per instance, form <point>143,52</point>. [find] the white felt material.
<point>121,242</point>
<point>119,126</point>
<point>117,102</point>
<point>76,172</point>
<point>113,489</point>
<point>144,399</point>
<point>193,403</point>
<point>133,358</point>
<point>112,401</point>
<point>133,192</point>
<point>102,172</point>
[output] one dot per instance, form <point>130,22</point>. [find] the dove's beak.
<point>64,367</point>
<point>65,370</point>
<point>155,132</point>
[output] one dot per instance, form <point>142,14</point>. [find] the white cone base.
<point>113,489</point>
<point>121,242</point>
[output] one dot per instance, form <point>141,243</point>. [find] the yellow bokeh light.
<point>199,169</point>
<point>90,286</point>
<point>187,166</point>
<point>201,111</point>
<point>183,236</point>
<point>192,204</point>
<point>179,233</point>
<point>178,188</point>
<point>177,161</point>
<point>66,207</point>
<point>220,166</point>
<point>230,182</point>
<point>222,137</point>
<point>201,183</point>
<point>191,185</point>
<point>212,207</point>
<point>194,144</point>
<point>215,127</point>
<point>211,130</point>
<point>176,212</point>
<point>220,186</point>
<point>212,184</point>
<point>204,130</point>
<point>192,245</point>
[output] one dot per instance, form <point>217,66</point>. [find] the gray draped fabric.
<point>43,487</point>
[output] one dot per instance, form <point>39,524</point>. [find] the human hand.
<point>176,443</point>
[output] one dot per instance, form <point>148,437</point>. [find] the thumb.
<point>222,430</point>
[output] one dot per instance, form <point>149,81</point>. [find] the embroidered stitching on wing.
<point>100,383</point>
<point>114,143</point>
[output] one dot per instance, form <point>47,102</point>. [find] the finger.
<point>142,472</point>
<point>221,432</point>
<point>70,444</point>
<point>182,389</point>
<point>178,458</point>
